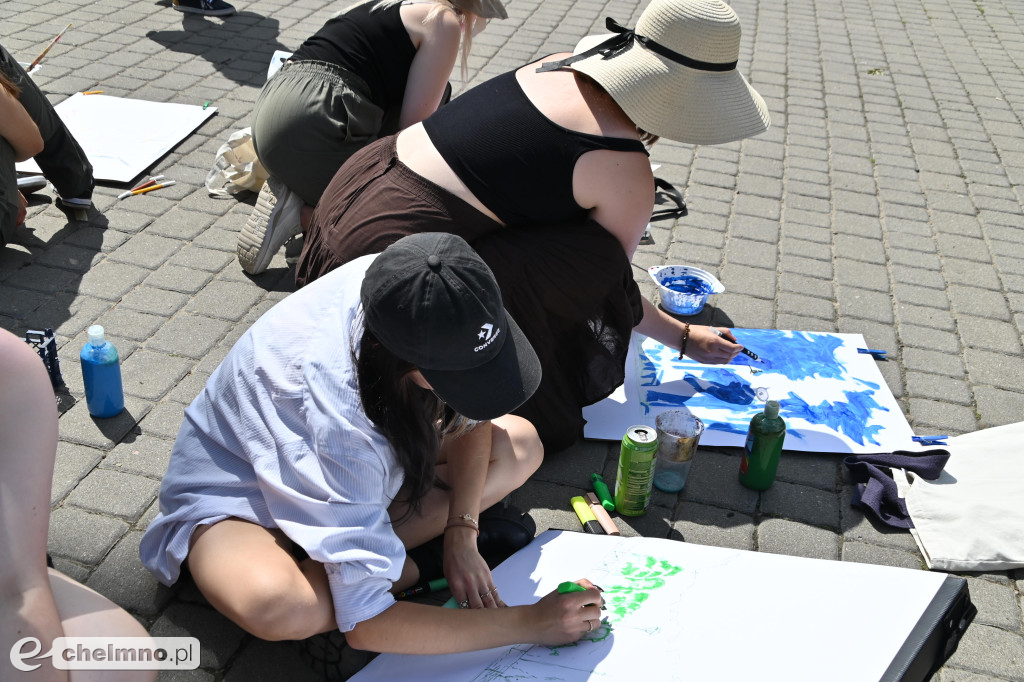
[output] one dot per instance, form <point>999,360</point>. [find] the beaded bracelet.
<point>464,520</point>
<point>686,337</point>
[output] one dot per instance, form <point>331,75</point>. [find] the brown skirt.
<point>569,286</point>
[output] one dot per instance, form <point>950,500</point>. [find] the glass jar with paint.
<point>678,434</point>
<point>763,448</point>
<point>101,372</point>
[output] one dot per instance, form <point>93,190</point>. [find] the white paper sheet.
<point>833,398</point>
<point>678,611</point>
<point>124,137</point>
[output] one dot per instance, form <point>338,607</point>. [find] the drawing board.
<point>679,611</point>
<point>833,398</point>
<point>124,137</point>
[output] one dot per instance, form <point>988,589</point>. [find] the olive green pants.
<point>309,119</point>
<point>62,160</point>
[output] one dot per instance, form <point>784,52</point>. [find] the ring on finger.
<point>590,626</point>
<point>464,604</point>
<point>490,591</point>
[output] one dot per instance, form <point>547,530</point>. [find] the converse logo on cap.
<point>488,334</point>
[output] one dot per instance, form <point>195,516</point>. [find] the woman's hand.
<point>22,209</point>
<point>565,618</point>
<point>469,578</point>
<point>706,346</point>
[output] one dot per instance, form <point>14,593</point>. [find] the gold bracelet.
<point>686,337</point>
<point>465,521</point>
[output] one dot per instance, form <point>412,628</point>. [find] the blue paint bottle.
<point>101,371</point>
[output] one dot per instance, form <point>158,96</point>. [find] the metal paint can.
<point>636,470</point>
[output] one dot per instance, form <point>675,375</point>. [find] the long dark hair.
<point>413,419</point>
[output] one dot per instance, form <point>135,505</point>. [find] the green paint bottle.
<point>763,448</point>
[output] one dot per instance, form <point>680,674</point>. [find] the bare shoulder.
<point>444,25</point>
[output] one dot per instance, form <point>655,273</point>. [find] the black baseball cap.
<point>432,301</point>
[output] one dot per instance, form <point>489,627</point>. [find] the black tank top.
<point>513,158</point>
<point>373,45</point>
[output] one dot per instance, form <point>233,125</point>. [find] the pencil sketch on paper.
<point>639,592</point>
<point>833,398</point>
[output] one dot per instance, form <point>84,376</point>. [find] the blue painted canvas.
<point>833,398</point>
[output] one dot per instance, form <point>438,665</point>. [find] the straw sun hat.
<point>675,74</point>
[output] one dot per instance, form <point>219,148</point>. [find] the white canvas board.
<point>679,611</point>
<point>124,137</point>
<point>833,398</point>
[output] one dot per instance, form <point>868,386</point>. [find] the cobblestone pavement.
<point>885,200</point>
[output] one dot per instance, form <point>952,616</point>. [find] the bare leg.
<point>28,446</point>
<point>516,453</point>
<point>85,613</point>
<point>34,602</point>
<point>247,573</point>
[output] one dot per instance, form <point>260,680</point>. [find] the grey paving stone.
<point>125,581</point>
<point>864,553</point>
<point>142,455</point>
<point>151,375</point>
<point>936,387</point>
<point>948,674</point>
<point>816,470</point>
<point>73,462</point>
<point>164,421</point>
<point>706,525</point>
<point>128,323</point>
<point>801,503</point>
<point>158,302</point>
<point>106,491</point>
<point>219,638</point>
<point>929,415</point>
<point>110,281</point>
<point>81,536</point>
<point>933,361</point>
<point>997,604</point>
<point>985,649</point>
<point>714,480</point>
<point>280,661</point>
<point>779,536</point>
<point>177,278</point>
<point>864,304</point>
<point>929,338</point>
<point>78,426</point>
<point>998,406</point>
<point>224,300</point>
<point>146,251</point>
<point>994,368</point>
<point>191,336</point>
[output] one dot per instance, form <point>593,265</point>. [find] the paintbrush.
<point>750,354</point>
<point>43,53</point>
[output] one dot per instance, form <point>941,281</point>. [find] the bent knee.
<point>273,606</point>
<point>527,448</point>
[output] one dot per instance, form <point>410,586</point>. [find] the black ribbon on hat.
<point>623,40</point>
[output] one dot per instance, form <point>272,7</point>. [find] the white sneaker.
<point>274,220</point>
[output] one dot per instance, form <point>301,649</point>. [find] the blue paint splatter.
<point>795,355</point>
<point>727,427</point>
<point>723,385</point>
<point>850,418</point>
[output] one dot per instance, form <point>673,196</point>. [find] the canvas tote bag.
<point>971,517</point>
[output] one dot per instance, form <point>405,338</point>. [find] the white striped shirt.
<point>278,437</point>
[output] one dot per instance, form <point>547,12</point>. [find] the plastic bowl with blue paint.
<point>684,289</point>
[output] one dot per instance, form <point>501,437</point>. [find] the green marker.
<point>567,587</point>
<point>603,493</point>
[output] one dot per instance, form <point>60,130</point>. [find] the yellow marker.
<point>92,92</point>
<point>586,516</point>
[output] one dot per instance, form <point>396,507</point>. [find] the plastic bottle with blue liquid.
<point>101,372</point>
